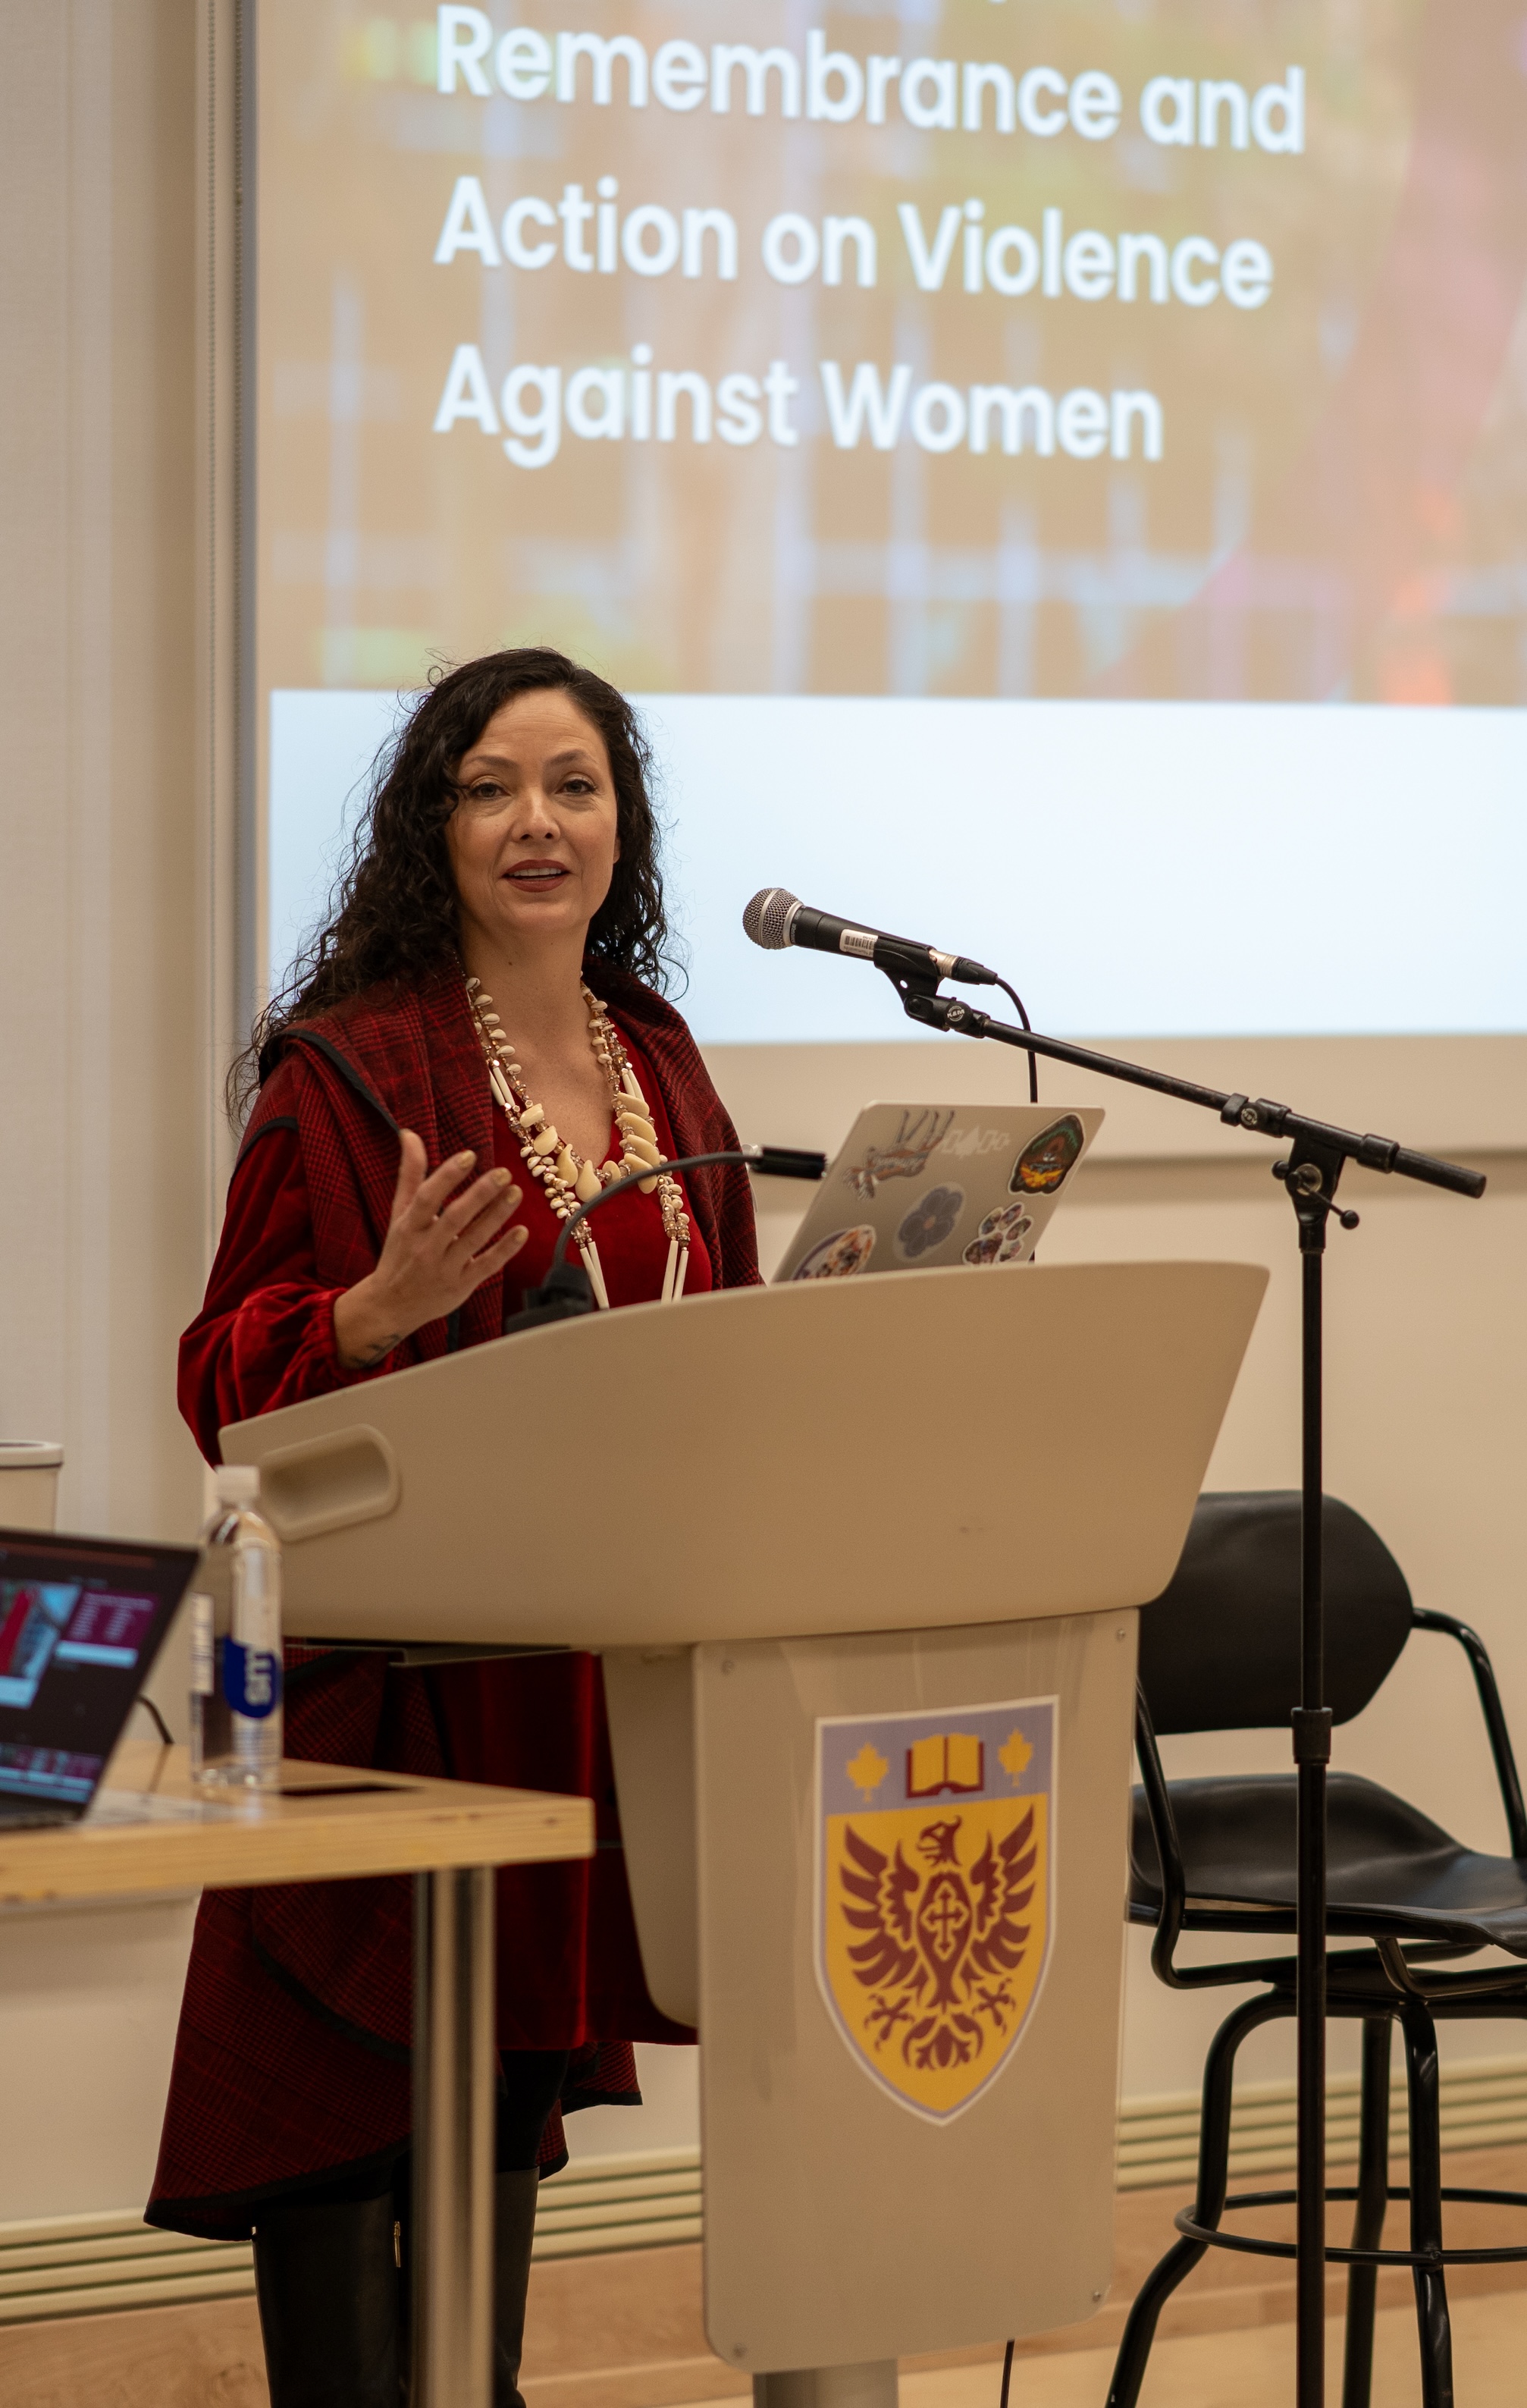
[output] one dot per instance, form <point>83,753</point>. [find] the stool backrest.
<point>1219,1647</point>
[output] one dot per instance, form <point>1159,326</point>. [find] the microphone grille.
<point>768,916</point>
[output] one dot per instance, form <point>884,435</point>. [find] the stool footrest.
<point>1252,2246</point>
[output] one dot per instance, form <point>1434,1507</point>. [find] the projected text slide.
<point>1031,350</point>
<point>1051,471</point>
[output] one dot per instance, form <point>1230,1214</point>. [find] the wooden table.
<point>152,1831</point>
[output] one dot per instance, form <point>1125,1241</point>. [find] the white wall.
<point>88,2003</point>
<point>105,1077</point>
<point>103,1059</point>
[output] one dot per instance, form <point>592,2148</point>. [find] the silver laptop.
<point>924,1185</point>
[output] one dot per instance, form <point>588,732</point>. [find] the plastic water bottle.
<point>235,1713</point>
<point>211,1608</point>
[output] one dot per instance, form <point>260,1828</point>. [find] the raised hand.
<point>440,1244</point>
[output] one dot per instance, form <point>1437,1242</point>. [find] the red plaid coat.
<point>291,2059</point>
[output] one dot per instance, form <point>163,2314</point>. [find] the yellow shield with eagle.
<point>934,1891</point>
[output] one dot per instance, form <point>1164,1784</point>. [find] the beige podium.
<point>861,1559</point>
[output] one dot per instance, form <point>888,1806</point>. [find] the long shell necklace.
<point>567,1179</point>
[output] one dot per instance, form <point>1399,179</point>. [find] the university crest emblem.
<point>933,1891</point>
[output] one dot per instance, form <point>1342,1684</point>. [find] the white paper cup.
<point>29,1469</point>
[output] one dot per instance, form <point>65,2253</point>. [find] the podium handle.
<point>329,1483</point>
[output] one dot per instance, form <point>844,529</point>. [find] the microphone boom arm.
<point>1318,1143</point>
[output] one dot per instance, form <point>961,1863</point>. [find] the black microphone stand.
<point>1317,1157</point>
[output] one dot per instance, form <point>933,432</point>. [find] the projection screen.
<point>1054,474</point>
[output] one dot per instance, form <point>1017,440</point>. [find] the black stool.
<point>1219,1651</point>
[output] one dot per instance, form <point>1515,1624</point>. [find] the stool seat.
<point>1393,1873</point>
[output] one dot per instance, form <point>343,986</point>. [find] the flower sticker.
<point>930,1222</point>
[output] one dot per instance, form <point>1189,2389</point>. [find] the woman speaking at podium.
<point>472,1045</point>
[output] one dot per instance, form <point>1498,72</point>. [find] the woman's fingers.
<point>502,1250</point>
<point>494,1210</point>
<point>457,1216</point>
<point>447,1237</point>
<point>433,1192</point>
<point>410,1171</point>
<point>444,1229</point>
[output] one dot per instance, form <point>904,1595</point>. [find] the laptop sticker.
<point>1045,1162</point>
<point>840,1255</point>
<point>929,1224</point>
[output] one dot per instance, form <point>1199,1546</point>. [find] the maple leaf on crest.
<point>1015,1755</point>
<point>867,1770</point>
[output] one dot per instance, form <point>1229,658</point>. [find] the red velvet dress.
<point>292,2055</point>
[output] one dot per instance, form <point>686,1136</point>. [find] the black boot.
<point>514,2228</point>
<point>328,2284</point>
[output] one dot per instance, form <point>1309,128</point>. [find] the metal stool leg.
<point>1213,2182</point>
<point>1436,2334</point>
<point>1368,2218</point>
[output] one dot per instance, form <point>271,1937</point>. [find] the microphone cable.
<point>1017,1001</point>
<point>566,1288</point>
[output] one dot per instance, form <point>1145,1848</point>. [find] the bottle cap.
<point>237,1484</point>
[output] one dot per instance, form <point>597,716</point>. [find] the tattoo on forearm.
<point>366,1356</point>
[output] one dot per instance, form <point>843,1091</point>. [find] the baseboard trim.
<point>628,2331</point>
<point>644,2199</point>
<point>94,2265</point>
<point>1484,2106</point>
<point>98,2265</point>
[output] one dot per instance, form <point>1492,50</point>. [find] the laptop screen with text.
<point>81,1621</point>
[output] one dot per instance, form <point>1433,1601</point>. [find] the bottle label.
<point>252,1680</point>
<point>202,1678</point>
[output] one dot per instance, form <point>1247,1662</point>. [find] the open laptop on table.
<point>928,1185</point>
<point>81,1621</point>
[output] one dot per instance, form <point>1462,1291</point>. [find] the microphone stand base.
<point>563,1294</point>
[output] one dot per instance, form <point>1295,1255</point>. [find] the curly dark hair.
<point>393,917</point>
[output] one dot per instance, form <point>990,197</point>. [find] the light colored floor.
<point>1254,2368</point>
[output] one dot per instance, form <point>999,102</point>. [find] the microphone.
<point>776,918</point>
<point>566,1291</point>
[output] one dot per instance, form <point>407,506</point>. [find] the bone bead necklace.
<point>567,1179</point>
